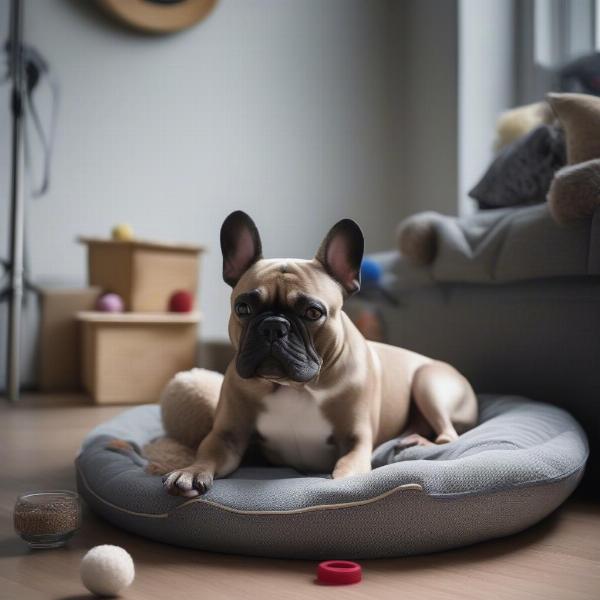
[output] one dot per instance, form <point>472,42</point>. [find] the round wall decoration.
<point>158,16</point>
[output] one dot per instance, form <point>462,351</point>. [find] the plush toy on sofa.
<point>519,121</point>
<point>529,169</point>
<point>575,190</point>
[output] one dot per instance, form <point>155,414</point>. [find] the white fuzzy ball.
<point>106,570</point>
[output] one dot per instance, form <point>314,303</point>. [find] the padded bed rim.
<point>578,471</point>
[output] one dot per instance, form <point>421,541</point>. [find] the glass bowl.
<point>47,519</point>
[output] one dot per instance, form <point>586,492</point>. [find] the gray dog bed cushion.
<point>519,464</point>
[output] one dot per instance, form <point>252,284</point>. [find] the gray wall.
<point>486,84</point>
<point>425,103</point>
<point>300,114</point>
<point>281,112</point>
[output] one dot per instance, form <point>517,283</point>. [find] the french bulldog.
<point>304,381</point>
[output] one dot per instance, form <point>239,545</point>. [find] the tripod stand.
<point>27,67</point>
<point>14,266</point>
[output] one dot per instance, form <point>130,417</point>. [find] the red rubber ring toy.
<point>339,572</point>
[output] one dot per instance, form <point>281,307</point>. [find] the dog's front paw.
<point>342,471</point>
<point>189,482</point>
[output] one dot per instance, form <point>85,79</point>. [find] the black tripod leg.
<point>17,203</point>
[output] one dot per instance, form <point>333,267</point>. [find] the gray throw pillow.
<point>523,171</point>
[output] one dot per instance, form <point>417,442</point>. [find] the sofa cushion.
<point>523,170</point>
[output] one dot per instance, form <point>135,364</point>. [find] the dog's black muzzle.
<point>277,345</point>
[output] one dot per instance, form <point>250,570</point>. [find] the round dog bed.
<point>521,461</point>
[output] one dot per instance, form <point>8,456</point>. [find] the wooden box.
<point>143,273</point>
<point>59,366</point>
<point>129,357</point>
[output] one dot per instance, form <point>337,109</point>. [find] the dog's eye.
<point>242,309</point>
<point>313,313</point>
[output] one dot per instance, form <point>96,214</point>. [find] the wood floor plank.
<point>559,559</point>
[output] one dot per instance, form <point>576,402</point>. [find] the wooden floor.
<point>557,559</point>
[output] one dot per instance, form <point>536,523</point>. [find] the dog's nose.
<point>274,328</point>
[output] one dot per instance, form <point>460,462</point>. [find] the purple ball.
<point>110,303</point>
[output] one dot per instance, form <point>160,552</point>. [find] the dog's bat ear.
<point>341,254</point>
<point>240,245</point>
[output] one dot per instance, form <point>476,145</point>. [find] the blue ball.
<point>370,272</point>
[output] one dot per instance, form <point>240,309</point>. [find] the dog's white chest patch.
<point>295,431</point>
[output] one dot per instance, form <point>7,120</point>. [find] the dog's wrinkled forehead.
<point>285,282</point>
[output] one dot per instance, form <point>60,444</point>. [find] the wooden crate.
<point>129,357</point>
<point>143,273</point>
<point>59,348</point>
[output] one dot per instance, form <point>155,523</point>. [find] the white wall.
<point>280,111</point>
<point>456,74</point>
<point>486,84</point>
<point>424,106</point>
<point>299,112</point>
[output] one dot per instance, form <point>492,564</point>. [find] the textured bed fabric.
<point>514,468</point>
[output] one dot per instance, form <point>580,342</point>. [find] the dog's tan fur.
<point>363,389</point>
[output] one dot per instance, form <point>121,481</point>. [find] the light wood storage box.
<point>59,366</point>
<point>129,357</point>
<point>144,273</point>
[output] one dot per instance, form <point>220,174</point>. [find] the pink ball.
<point>110,303</point>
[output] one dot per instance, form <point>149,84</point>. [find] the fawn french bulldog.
<point>317,394</point>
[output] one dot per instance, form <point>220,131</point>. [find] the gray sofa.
<point>513,301</point>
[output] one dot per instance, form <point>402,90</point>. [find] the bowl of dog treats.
<point>47,519</point>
